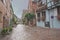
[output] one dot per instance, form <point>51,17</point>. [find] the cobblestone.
<point>22,32</point>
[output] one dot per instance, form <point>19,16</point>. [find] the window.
<point>38,14</point>
<point>58,9</point>
<point>43,16</point>
<point>0,16</point>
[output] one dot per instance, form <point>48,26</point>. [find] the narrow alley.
<point>22,32</point>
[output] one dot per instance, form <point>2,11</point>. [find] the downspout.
<point>48,13</point>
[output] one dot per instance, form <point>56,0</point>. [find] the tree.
<point>29,17</point>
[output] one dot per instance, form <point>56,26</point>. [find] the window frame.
<point>0,16</point>
<point>58,10</point>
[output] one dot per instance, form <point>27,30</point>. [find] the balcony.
<point>53,4</point>
<point>56,2</point>
<point>39,4</point>
<point>43,7</point>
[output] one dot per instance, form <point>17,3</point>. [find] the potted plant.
<point>10,29</point>
<point>4,31</point>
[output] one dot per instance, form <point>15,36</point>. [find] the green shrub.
<point>10,29</point>
<point>4,31</point>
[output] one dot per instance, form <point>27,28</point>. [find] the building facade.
<point>6,18</point>
<point>5,13</point>
<point>53,13</point>
<point>2,12</point>
<point>32,6</point>
<point>48,13</point>
<point>41,13</point>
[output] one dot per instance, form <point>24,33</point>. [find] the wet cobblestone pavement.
<point>22,32</point>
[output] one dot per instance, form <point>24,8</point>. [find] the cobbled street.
<point>22,32</point>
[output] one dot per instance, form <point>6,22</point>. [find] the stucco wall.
<point>3,11</point>
<point>54,23</point>
<point>40,24</point>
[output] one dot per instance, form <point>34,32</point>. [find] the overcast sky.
<point>18,6</point>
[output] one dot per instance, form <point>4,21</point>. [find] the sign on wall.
<point>52,17</point>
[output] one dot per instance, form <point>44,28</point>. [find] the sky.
<point>18,6</point>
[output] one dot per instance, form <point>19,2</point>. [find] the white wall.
<point>40,23</point>
<point>54,23</point>
<point>47,16</point>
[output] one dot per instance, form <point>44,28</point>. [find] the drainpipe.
<point>49,17</point>
<point>48,14</point>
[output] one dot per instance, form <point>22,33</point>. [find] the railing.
<point>53,4</point>
<point>41,6</point>
<point>56,2</point>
